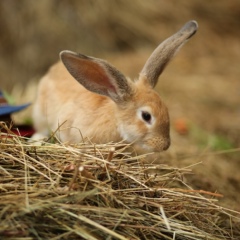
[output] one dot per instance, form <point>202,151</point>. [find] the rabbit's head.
<point>141,116</point>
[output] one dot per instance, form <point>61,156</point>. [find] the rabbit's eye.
<point>146,117</point>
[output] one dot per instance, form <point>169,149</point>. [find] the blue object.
<point>6,109</point>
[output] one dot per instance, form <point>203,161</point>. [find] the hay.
<point>89,191</point>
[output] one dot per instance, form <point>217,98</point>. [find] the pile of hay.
<point>89,191</point>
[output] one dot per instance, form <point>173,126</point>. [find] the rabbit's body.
<point>63,93</point>
<point>90,98</point>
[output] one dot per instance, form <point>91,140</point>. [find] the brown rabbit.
<point>87,97</point>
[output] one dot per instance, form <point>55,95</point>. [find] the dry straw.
<point>89,191</point>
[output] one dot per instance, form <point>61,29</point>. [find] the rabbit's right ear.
<point>165,52</point>
<point>97,75</point>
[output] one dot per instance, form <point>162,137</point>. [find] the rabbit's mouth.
<point>155,144</point>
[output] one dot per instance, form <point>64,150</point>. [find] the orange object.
<point>181,126</point>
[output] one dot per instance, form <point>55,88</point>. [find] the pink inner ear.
<point>91,75</point>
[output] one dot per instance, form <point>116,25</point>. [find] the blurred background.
<point>201,86</point>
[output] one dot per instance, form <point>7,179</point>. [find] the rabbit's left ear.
<point>97,75</point>
<point>165,52</point>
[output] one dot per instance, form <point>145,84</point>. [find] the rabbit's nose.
<point>166,144</point>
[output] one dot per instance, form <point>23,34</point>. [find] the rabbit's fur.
<point>87,97</point>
